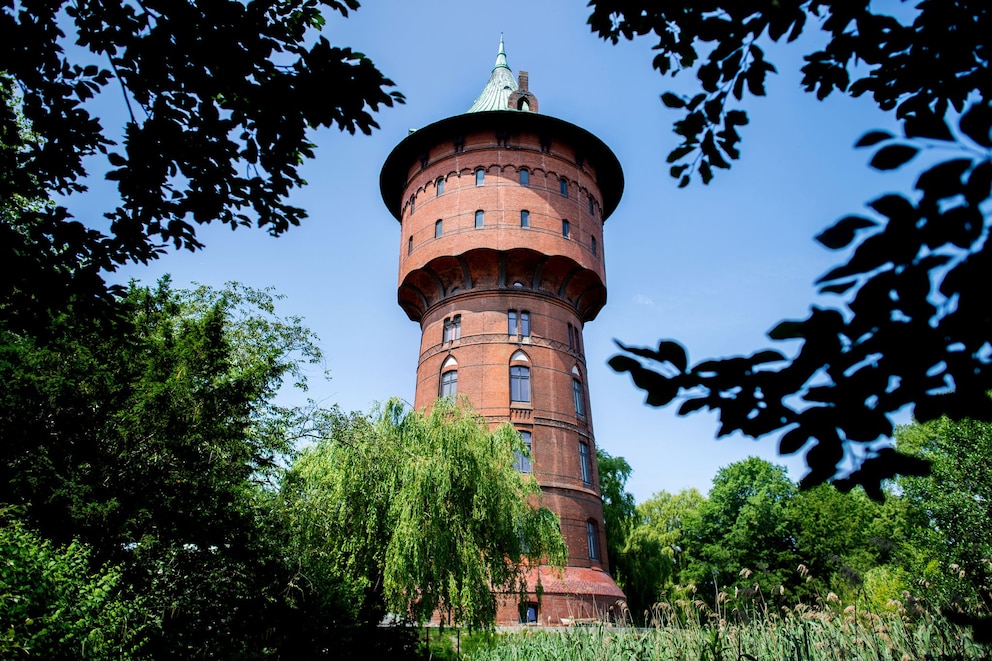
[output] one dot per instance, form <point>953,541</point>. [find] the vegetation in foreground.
<point>689,630</point>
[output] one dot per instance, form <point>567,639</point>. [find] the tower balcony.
<point>516,272</point>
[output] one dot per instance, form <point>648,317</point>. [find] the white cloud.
<point>641,299</point>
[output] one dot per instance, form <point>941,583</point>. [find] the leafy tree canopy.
<point>951,510</point>
<point>156,445</point>
<point>220,97</point>
<point>912,329</point>
<point>426,511</point>
<point>638,561</point>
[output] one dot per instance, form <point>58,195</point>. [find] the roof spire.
<point>501,56</point>
<point>501,84</point>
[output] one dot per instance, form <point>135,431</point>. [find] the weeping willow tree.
<point>420,512</point>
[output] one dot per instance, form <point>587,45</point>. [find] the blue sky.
<point>712,266</point>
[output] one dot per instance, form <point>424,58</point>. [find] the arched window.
<point>593,244</point>
<point>440,187</point>
<point>579,397</point>
<point>519,383</point>
<point>565,228</point>
<point>438,229</point>
<point>525,218</point>
<point>524,177</point>
<point>409,245</point>
<point>480,218</point>
<point>563,186</point>
<point>480,177</point>
<point>449,377</point>
<point>592,539</point>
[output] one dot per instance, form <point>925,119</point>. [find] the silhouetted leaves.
<point>221,97</point>
<point>842,233</point>
<point>891,157</point>
<point>913,329</point>
<point>873,138</point>
<point>976,123</point>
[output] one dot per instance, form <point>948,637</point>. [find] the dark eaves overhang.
<point>393,178</point>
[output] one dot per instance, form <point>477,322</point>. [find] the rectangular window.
<point>511,322</point>
<point>449,383</point>
<point>440,187</point>
<point>563,186</point>
<point>409,245</point>
<point>580,400</point>
<point>524,178</point>
<point>452,329</point>
<point>437,229</point>
<point>592,209</point>
<point>523,459</point>
<point>564,228</point>
<point>519,384</point>
<point>480,177</point>
<point>525,218</point>
<point>525,324</point>
<point>480,219</point>
<point>571,340</point>
<point>592,539</point>
<point>585,462</point>
<point>593,240</point>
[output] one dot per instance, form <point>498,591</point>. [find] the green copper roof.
<point>501,85</point>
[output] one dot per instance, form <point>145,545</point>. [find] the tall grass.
<point>688,630</point>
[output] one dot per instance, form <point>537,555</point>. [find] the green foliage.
<point>689,632</point>
<point>422,511</point>
<point>742,537</point>
<point>638,562</point>
<point>152,438</point>
<point>912,329</point>
<point>52,605</point>
<point>214,134</point>
<point>757,540</point>
<point>951,511</point>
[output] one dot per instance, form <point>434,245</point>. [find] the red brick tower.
<point>501,263</point>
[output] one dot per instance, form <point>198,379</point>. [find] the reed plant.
<point>691,630</point>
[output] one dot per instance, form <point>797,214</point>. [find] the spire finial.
<point>501,55</point>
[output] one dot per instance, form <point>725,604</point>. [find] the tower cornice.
<point>395,172</point>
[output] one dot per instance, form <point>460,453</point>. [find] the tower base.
<point>573,595</point>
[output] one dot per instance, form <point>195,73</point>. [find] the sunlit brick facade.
<point>502,264</point>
